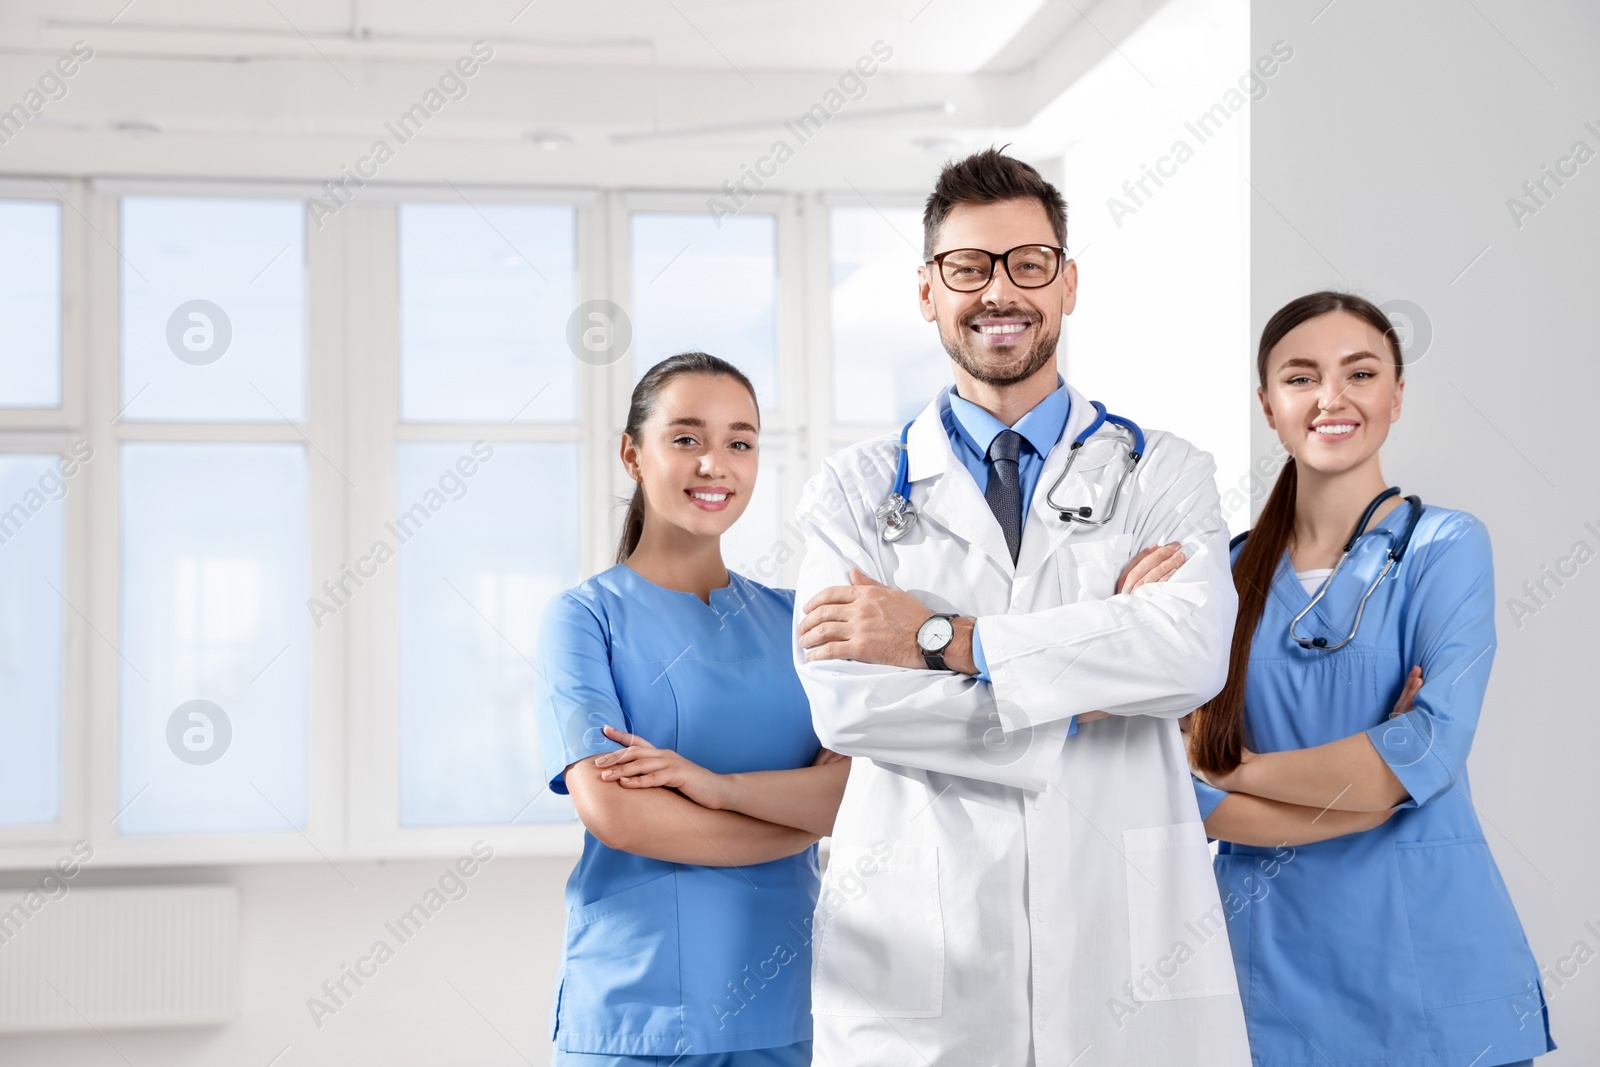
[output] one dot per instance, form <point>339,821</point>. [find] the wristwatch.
<point>933,637</point>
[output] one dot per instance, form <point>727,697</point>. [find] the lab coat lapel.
<point>1044,531</point>
<point>953,499</point>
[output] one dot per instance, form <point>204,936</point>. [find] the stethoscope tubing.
<point>896,514</point>
<point>1397,550</point>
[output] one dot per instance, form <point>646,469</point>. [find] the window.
<point>487,506</point>
<point>30,304</point>
<point>31,529</point>
<point>214,638</point>
<point>39,467</point>
<point>887,362</point>
<point>347,465</point>
<point>213,642</point>
<point>485,293</point>
<point>213,310</point>
<point>707,285</point>
<point>474,574</point>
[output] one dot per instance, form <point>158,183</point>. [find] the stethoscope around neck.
<point>896,514</point>
<point>1397,549</point>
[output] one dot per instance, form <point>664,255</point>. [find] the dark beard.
<point>965,356</point>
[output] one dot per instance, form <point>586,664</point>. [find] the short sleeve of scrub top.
<point>578,695</point>
<point>1208,797</point>
<point>660,958</point>
<point>1454,642</point>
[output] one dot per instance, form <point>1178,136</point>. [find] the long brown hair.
<point>1216,733</point>
<point>646,396</point>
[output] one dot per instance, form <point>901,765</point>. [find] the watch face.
<point>934,634</point>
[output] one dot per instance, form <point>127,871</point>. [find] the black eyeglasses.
<point>966,270</point>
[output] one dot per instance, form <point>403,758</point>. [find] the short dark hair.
<point>989,177</point>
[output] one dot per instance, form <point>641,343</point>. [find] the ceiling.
<point>292,87</point>
<point>933,36</point>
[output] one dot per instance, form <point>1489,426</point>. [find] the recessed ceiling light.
<point>549,140</point>
<point>937,143</point>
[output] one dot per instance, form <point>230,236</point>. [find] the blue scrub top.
<point>665,958</point>
<point>1399,945</point>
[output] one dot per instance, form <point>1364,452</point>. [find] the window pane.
<point>214,638</point>
<point>485,294</point>
<point>213,309</point>
<point>30,637</point>
<point>887,362</point>
<point>30,304</point>
<point>484,535</point>
<point>700,287</point>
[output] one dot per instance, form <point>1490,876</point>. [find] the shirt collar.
<point>1041,426</point>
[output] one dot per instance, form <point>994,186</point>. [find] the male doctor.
<point>1014,878</point>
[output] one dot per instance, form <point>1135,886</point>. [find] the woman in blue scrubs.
<point>1368,920</point>
<point>669,709</point>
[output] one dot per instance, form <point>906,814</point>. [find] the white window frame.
<point>44,431</point>
<point>352,415</point>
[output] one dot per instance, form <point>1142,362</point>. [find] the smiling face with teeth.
<point>1332,390</point>
<point>1002,334</point>
<point>696,460</point>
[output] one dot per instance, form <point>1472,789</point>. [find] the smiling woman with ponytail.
<point>1368,920</point>
<point>670,710</point>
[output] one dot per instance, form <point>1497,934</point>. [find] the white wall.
<point>1384,159</point>
<point>472,988</point>
<point>1163,270</point>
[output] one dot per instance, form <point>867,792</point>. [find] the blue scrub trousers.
<point>795,1055</point>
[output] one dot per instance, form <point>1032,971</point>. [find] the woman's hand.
<point>1228,783</point>
<point>641,765</point>
<point>1155,564</point>
<point>1408,694</point>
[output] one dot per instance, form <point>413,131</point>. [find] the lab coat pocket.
<point>1177,935</point>
<point>880,946</point>
<point>1088,570</point>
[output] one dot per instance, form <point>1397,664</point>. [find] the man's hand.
<point>1155,564</point>
<point>866,621</point>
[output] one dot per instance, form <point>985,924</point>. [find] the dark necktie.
<point>1004,491</point>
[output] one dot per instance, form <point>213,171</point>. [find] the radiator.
<point>117,957</point>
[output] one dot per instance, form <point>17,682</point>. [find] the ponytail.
<point>632,524</point>
<point>1216,733</point>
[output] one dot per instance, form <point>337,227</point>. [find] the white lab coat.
<point>998,894</point>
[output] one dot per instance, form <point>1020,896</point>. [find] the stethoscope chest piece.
<point>896,515</point>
